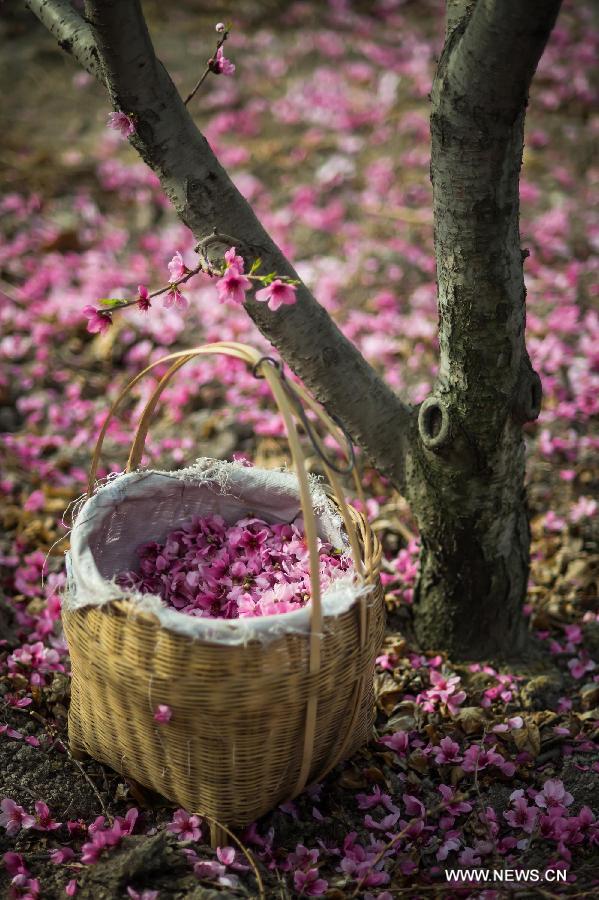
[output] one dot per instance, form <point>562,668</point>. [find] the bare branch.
<point>206,199</point>
<point>73,34</point>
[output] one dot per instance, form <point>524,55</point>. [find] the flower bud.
<point>220,27</point>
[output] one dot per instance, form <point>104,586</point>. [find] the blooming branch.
<point>217,64</point>
<point>232,286</point>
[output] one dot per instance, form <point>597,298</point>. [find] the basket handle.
<point>252,357</point>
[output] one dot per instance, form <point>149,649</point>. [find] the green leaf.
<point>255,265</point>
<point>111,301</point>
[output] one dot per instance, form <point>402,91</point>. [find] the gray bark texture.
<point>459,457</point>
<point>466,485</point>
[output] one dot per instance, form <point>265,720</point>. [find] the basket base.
<point>78,754</point>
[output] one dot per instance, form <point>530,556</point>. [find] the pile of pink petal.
<point>213,570</point>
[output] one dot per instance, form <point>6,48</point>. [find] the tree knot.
<point>434,423</point>
<point>528,397</point>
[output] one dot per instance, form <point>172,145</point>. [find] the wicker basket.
<point>252,723</point>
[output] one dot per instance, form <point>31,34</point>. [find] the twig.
<point>76,762</point>
<point>243,849</point>
<point>206,71</point>
<point>201,81</point>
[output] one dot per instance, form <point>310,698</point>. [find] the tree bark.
<point>466,479</point>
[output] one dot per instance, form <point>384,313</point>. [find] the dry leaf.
<point>374,775</point>
<point>352,779</point>
<point>528,738</point>
<point>471,719</point>
<point>417,760</point>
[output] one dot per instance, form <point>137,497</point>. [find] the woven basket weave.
<point>253,723</point>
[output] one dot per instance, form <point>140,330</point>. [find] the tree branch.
<point>505,40</point>
<point>73,34</point>
<point>206,199</point>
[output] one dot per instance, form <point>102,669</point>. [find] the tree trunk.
<point>466,480</point>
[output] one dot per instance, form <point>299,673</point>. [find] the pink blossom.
<point>187,827</point>
<point>580,665</point>
<point>398,741</point>
<point>302,858</point>
<point>452,843</point>
<point>35,501</point>
<point>61,855</point>
<point>15,864</point>
<point>121,122</point>
<point>447,752</point>
<point>307,883</point>
<point>290,808</point>
<point>514,724</point>
<point>553,522</point>
<point>522,815</point>
<point>146,894</point>
<point>214,871</point>
<point>13,817</point>
<point>143,298</point>
<point>368,801</point>
<point>249,568</point>
<point>104,837</point>
<point>443,690</point>
<point>228,857</point>
<point>277,294</point>
<point>384,824</point>
<point>163,714</point>
<point>71,888</point>
<point>234,261</point>
<point>20,703</point>
<point>476,759</point>
<point>11,732</point>
<point>175,298</point>
<point>99,320</point>
<point>92,850</point>
<point>451,804</point>
<point>468,857</point>
<point>176,267</point>
<point>25,888</point>
<point>220,65</point>
<point>585,507</point>
<point>76,829</point>
<point>387,660</point>
<point>573,634</point>
<point>44,820</point>
<point>232,287</point>
<point>443,683</point>
<point>553,795</point>
<point>127,824</point>
<point>585,818</point>
<point>414,807</point>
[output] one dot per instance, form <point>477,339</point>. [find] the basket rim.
<point>240,630</point>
